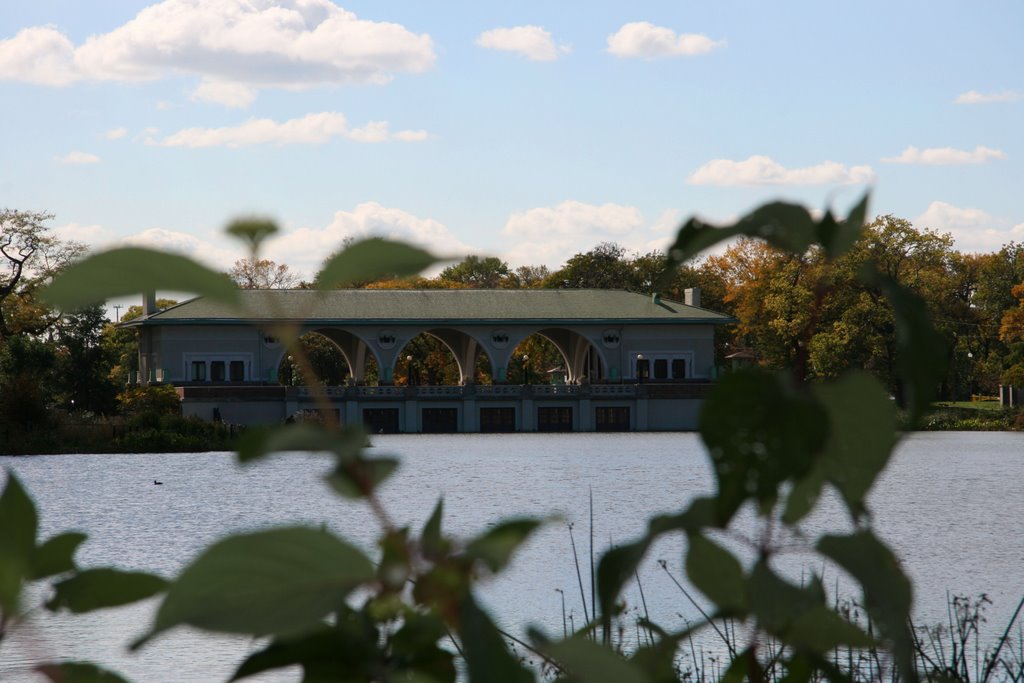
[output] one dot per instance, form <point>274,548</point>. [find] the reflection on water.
<point>951,505</point>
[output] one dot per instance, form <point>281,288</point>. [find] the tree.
<point>606,266</point>
<point>1011,329</point>
<point>479,273</point>
<point>29,256</point>
<point>26,370</point>
<point>262,274</point>
<point>526,277</point>
<point>84,364</point>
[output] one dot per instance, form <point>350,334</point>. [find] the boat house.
<point>629,361</point>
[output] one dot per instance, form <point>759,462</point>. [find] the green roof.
<point>450,306</point>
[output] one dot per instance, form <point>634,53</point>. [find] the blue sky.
<point>528,130</point>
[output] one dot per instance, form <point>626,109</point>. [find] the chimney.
<point>148,303</point>
<point>691,296</point>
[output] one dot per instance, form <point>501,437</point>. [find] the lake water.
<point>951,504</point>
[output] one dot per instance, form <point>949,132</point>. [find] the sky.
<point>528,130</point>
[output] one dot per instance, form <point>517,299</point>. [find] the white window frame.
<point>667,356</point>
<point>209,358</point>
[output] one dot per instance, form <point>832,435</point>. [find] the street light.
<point>639,368</point>
<point>526,370</point>
<point>410,381</point>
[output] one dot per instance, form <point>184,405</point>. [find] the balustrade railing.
<point>694,389</point>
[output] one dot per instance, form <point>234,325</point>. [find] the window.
<point>440,420</point>
<point>237,371</point>
<point>554,419</point>
<point>497,419</point>
<point>381,420</point>
<point>217,371</point>
<point>678,368</point>
<point>198,371</point>
<point>660,368</point>
<point>612,419</point>
<point>643,368</point>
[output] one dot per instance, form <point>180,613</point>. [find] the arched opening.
<point>533,361</point>
<point>428,359</point>
<point>327,364</point>
<point>556,356</point>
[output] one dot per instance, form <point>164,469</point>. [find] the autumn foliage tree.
<point>251,273</point>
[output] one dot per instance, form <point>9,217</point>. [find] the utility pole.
<point>117,311</point>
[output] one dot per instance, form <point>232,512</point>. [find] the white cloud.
<point>645,40</point>
<point>974,230</point>
<point>945,156</point>
<point>41,54</point>
<point>975,97</point>
<point>532,42</point>
<point>77,159</point>
<point>91,235</point>
<point>311,129</point>
<point>164,105</point>
<point>411,135</point>
<point>116,133</point>
<point>305,249</point>
<point>285,43</point>
<point>550,235</point>
<point>374,131</point>
<point>185,244</point>
<point>762,170</point>
<point>224,92</point>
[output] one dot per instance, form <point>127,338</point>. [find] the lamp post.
<point>291,371</point>
<point>639,368</point>
<point>411,381</point>
<point>526,370</point>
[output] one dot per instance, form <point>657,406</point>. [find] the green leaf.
<point>701,513</point>
<point>777,603</point>
<point>394,568</point>
<point>737,671</point>
<point>252,230</point>
<point>495,546</point>
<point>759,433</point>
<point>77,672</point>
<point>781,224</point>
<point>56,555</point>
<point>371,259</point>
<point>131,270</point>
<point>358,477</point>
<point>804,495</point>
<point>488,659</point>
<point>615,568</point>
<point>18,527</point>
<point>274,582</point>
<point>102,588</point>
<point>820,630</point>
<point>800,669</point>
<point>716,573</point>
<point>838,237</point>
<point>586,660</point>
<point>415,649</point>
<point>921,356</point>
<point>432,542</point>
<point>862,435</point>
<point>347,651</point>
<point>258,443</point>
<point>887,591</point>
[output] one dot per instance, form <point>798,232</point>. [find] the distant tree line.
<point>80,362</point>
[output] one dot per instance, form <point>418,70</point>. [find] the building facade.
<point>631,362</point>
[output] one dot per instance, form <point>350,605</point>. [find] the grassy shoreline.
<point>176,434</point>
